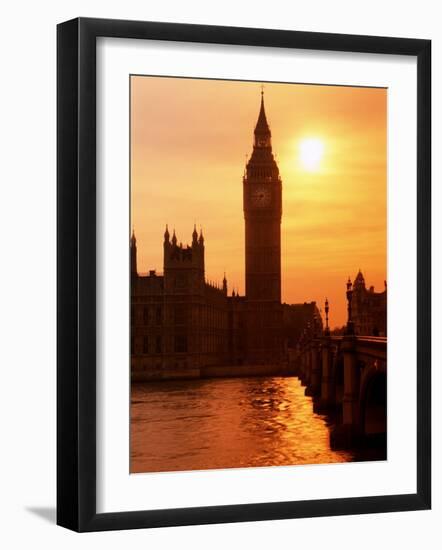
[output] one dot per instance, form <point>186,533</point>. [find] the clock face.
<point>260,196</point>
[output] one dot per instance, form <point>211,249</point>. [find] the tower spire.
<point>262,129</point>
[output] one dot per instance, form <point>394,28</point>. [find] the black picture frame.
<point>76,274</point>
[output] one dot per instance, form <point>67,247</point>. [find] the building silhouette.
<point>369,309</point>
<point>180,322</point>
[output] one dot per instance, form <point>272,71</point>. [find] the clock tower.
<point>262,200</point>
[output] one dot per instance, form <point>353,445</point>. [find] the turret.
<point>194,236</point>
<point>225,284</point>
<point>359,282</point>
<point>133,255</point>
<point>181,255</point>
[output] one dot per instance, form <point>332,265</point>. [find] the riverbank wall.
<point>219,371</point>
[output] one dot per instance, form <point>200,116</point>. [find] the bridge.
<point>347,377</point>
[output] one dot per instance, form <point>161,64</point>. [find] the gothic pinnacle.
<point>194,234</point>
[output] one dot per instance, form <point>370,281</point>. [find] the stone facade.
<point>369,309</point>
<point>179,321</point>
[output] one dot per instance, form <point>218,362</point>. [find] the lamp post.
<point>350,330</point>
<point>327,329</point>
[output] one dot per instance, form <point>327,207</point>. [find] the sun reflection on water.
<point>226,423</point>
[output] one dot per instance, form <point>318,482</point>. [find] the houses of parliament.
<point>181,323</point>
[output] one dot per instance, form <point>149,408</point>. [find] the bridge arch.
<point>373,403</point>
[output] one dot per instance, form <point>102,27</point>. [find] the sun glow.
<point>311,151</point>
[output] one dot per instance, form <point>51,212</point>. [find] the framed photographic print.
<point>243,274</point>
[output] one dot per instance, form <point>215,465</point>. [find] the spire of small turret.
<point>133,254</point>
<point>225,283</point>
<point>166,234</point>
<point>201,238</point>
<point>194,235</point>
<point>174,239</point>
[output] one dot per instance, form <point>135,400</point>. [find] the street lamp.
<point>327,329</point>
<point>350,330</point>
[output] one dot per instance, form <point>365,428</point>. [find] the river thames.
<point>227,423</point>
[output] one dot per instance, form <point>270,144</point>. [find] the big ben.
<point>262,200</point>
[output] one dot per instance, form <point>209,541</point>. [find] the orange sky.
<point>189,139</point>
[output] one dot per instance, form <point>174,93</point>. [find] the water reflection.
<point>226,423</point>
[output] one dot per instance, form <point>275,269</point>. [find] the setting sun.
<point>311,151</point>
